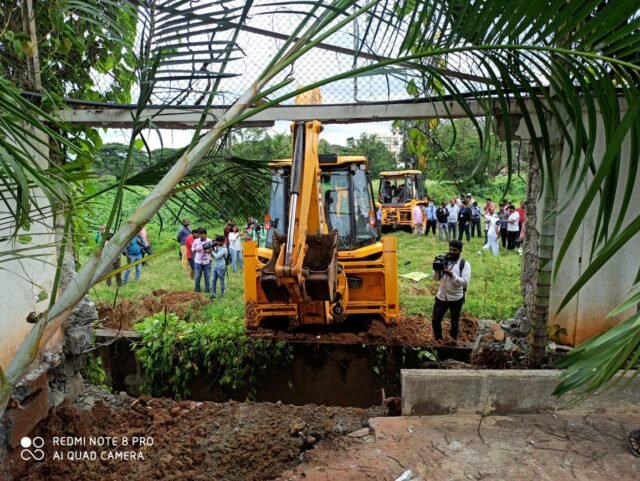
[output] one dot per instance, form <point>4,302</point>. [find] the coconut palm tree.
<point>554,61</point>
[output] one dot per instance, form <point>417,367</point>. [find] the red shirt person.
<point>521,212</point>
<point>226,231</point>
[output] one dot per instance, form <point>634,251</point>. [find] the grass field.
<point>494,291</point>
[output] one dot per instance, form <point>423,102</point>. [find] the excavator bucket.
<point>320,267</point>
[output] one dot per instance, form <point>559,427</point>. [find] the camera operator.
<point>454,274</point>
<point>202,259</point>
<point>219,254</point>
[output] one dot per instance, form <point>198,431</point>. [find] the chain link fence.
<point>198,52</point>
<point>258,42</point>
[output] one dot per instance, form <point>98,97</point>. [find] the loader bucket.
<point>320,267</point>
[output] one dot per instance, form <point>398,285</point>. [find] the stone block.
<point>431,392</point>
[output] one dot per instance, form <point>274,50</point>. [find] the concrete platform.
<point>462,391</point>
<point>542,447</point>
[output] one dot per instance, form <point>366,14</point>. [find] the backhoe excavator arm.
<point>300,277</point>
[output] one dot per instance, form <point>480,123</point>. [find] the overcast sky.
<point>333,133</point>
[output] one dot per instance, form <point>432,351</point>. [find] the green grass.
<point>494,291</point>
<point>165,272</point>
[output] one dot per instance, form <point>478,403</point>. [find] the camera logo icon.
<point>31,448</point>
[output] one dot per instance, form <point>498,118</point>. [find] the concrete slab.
<point>542,447</point>
<point>463,391</point>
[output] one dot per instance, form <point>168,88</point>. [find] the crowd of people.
<point>210,257</point>
<point>463,218</point>
<point>201,255</point>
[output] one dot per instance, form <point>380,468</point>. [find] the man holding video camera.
<point>219,254</point>
<point>454,274</point>
<point>201,248</point>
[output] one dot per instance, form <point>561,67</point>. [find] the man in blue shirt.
<point>432,219</point>
<point>133,252</point>
<point>183,233</point>
<point>219,256</point>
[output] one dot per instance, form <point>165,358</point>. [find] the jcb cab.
<point>324,261</point>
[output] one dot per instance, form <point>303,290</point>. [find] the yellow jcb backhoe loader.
<point>398,194</point>
<point>324,261</point>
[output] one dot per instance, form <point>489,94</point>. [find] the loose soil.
<point>410,331</point>
<point>127,312</point>
<point>191,440</point>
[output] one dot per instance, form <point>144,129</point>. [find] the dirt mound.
<point>191,440</point>
<point>410,331</point>
<point>127,312</point>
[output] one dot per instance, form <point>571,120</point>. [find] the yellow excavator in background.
<point>399,192</point>
<point>324,261</point>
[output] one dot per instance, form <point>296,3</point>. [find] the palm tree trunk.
<point>540,320</point>
<point>529,265</point>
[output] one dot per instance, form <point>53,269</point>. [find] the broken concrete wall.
<point>56,379</point>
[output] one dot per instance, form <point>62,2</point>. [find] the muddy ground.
<point>127,312</point>
<point>410,330</point>
<point>191,440</point>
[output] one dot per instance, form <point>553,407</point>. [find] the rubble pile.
<point>501,345</point>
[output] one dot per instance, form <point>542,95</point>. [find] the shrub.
<point>173,352</point>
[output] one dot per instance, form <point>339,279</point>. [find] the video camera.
<point>209,245</point>
<point>442,262</point>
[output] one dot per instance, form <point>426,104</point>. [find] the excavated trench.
<point>323,372</point>
<point>354,364</point>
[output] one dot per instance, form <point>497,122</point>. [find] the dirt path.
<point>542,447</point>
<point>191,440</point>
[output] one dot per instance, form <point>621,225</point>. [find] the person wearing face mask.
<point>432,219</point>
<point>454,280</point>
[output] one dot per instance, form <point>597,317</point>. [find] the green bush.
<point>94,373</point>
<point>441,191</point>
<point>173,352</point>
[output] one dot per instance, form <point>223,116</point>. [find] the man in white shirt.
<point>454,280</point>
<point>493,232</point>
<point>418,219</point>
<point>452,220</point>
<point>513,229</point>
